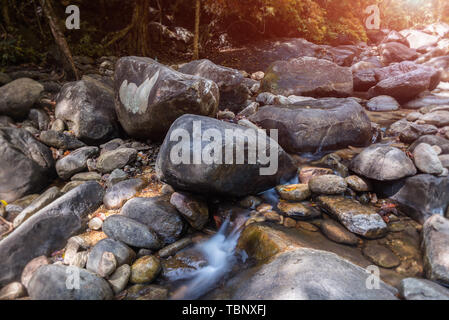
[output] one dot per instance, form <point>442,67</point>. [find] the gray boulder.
<point>317,125</point>
<point>421,289</point>
<point>120,192</point>
<point>17,97</point>
<point>56,282</point>
<point>60,140</point>
<point>75,162</point>
<point>150,96</point>
<point>27,165</point>
<point>87,107</point>
<point>122,253</point>
<point>116,159</point>
<point>307,274</point>
<point>307,76</point>
<point>48,229</point>
<point>225,176</point>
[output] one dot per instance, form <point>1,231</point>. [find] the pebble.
<point>426,159</point>
<point>307,173</point>
<point>12,291</point>
<point>294,192</point>
<point>381,256</point>
<point>119,279</point>
<point>173,248</point>
<point>358,184</point>
<point>95,223</point>
<point>31,267</point>
<point>107,264</point>
<point>298,210</point>
<point>145,270</point>
<point>328,184</point>
<point>337,233</point>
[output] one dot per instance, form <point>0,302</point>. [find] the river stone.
<point>12,291</point>
<point>382,103</point>
<point>119,279</point>
<point>294,192</point>
<point>131,232</point>
<point>48,229</point>
<point>87,107</point>
<point>307,173</point>
<point>31,267</point>
<point>426,159</point>
<point>357,218</point>
<point>175,247</point>
<point>396,52</point>
<point>418,39</point>
<point>383,163</point>
<point>60,140</point>
<point>426,100</point>
<point>18,96</point>
<point>27,164</point>
<point>317,125</point>
<point>328,184</point>
<point>53,282</point>
<point>86,176</point>
<point>145,269</point>
<point>116,159</point>
<point>146,292</point>
<point>58,126</point>
<point>414,131</point>
<point>337,233</point>
<point>150,96</point>
<point>195,211</point>
<point>381,255</point>
<point>442,65</point>
<point>433,141</point>
<point>233,92</point>
<point>437,118</point>
<point>121,192</point>
<point>307,274</point>
<point>75,162</point>
<point>122,253</point>
<point>395,36</point>
<point>107,264</point>
<point>298,211</point>
<point>358,184</point>
<point>422,289</point>
<point>39,118</point>
<point>158,215</point>
<point>249,178</point>
<point>308,76</point>
<point>40,202</point>
<point>436,250</point>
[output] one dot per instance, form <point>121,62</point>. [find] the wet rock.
<point>60,140</point>
<point>307,173</point>
<point>37,204</point>
<point>294,192</point>
<point>317,125</point>
<point>250,202</point>
<point>58,222</point>
<point>27,165</point>
<point>337,233</point>
<point>121,192</point>
<point>437,118</point>
<point>307,274</point>
<point>131,232</point>
<point>381,255</point>
<point>383,163</point>
<point>435,240</point>
<point>116,159</point>
<point>421,289</point>
<point>145,269</point>
<point>12,291</point>
<point>298,211</point>
<point>358,184</point>
<point>147,292</point>
<point>221,178</point>
<point>195,211</point>
<point>17,97</point>
<point>328,184</point>
<point>157,214</point>
<point>382,103</point>
<point>119,279</point>
<point>233,92</point>
<point>80,259</point>
<point>87,107</point>
<point>175,247</point>
<point>357,218</point>
<point>396,52</point>
<point>75,162</point>
<point>31,267</point>
<point>144,88</point>
<point>122,253</point>
<point>308,76</point>
<point>50,283</point>
<point>426,159</point>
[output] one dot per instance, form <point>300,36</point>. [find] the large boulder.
<point>228,172</point>
<point>18,96</point>
<point>422,289</point>
<point>233,92</point>
<point>436,249</point>
<point>307,274</point>
<point>87,107</point>
<point>307,76</point>
<point>27,165</point>
<point>318,125</point>
<point>422,196</point>
<point>150,96</point>
<point>396,52</point>
<point>383,163</point>
<point>56,282</point>
<point>48,229</point>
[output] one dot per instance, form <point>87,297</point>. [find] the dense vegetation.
<point>116,27</point>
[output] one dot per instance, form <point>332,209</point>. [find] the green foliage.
<point>14,50</point>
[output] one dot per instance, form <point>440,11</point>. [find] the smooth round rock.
<point>294,192</point>
<point>145,269</point>
<point>328,184</point>
<point>426,159</point>
<point>381,256</point>
<point>337,233</point>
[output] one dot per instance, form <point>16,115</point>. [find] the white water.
<point>219,252</point>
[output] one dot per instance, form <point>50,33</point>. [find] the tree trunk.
<point>58,35</point>
<point>196,38</point>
